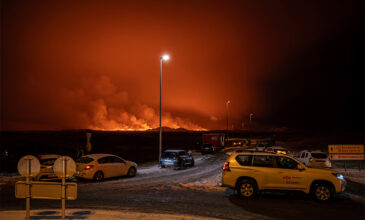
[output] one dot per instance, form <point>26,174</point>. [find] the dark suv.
<point>176,159</point>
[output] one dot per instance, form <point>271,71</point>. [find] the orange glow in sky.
<point>95,64</point>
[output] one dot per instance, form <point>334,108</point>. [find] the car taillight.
<point>88,167</point>
<point>226,166</point>
<point>175,158</point>
<point>310,159</point>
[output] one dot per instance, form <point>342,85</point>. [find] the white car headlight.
<point>339,176</point>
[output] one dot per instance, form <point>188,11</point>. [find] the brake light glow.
<point>88,167</point>
<point>226,166</point>
<point>175,158</point>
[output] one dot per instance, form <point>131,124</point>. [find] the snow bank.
<point>210,183</point>
<point>150,169</point>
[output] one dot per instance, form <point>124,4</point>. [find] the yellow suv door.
<point>287,176</point>
<point>263,170</point>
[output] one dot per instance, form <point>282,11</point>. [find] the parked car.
<point>277,149</point>
<point>101,166</point>
<point>47,161</point>
<point>207,148</point>
<point>176,159</point>
<point>250,173</point>
<point>315,159</point>
<point>262,144</point>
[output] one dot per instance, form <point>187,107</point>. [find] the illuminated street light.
<point>163,57</point>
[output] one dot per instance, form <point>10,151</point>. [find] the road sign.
<point>29,166</point>
<point>346,149</point>
<point>346,156</point>
<point>64,167</point>
<point>45,190</point>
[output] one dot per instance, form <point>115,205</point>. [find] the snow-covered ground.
<point>205,182</point>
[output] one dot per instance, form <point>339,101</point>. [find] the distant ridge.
<point>168,129</point>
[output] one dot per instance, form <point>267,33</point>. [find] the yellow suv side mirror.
<point>300,167</point>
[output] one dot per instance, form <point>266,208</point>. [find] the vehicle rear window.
<point>84,160</point>
<point>244,160</point>
<point>169,154</point>
<point>262,161</point>
<point>319,155</point>
<point>49,161</point>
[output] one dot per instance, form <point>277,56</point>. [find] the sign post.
<point>346,152</point>
<point>63,188</point>
<point>28,166</point>
<point>64,167</point>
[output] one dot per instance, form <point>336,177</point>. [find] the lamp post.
<point>163,57</point>
<point>227,102</point>
<point>251,115</point>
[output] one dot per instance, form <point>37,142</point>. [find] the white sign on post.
<point>64,167</point>
<point>29,166</point>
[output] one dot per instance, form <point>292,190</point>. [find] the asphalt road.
<point>192,191</point>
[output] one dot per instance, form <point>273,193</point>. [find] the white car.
<point>47,161</point>
<point>101,166</point>
<point>315,159</point>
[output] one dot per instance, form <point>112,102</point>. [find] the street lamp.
<point>227,102</point>
<point>163,57</point>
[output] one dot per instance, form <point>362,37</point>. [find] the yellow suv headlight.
<point>339,176</point>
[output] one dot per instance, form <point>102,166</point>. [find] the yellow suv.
<point>249,173</point>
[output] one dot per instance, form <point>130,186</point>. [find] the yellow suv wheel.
<point>322,192</point>
<point>247,189</point>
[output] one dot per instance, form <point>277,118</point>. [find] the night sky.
<point>95,64</point>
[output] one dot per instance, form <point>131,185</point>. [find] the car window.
<point>118,160</point>
<point>244,160</point>
<point>286,163</point>
<point>106,160</point>
<point>182,153</point>
<point>84,160</point>
<point>262,161</point>
<point>169,154</point>
<point>102,160</point>
<point>306,154</point>
<point>302,155</point>
<point>319,155</point>
<point>49,161</point>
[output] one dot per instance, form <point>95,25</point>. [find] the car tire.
<point>322,192</point>
<point>247,189</point>
<point>98,176</point>
<point>132,172</point>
